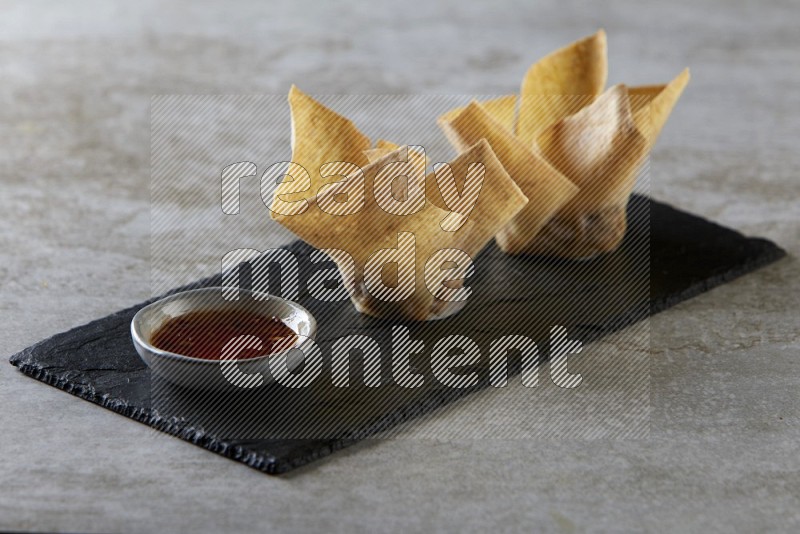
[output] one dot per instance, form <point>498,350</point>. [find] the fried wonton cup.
<point>354,207</point>
<point>593,139</point>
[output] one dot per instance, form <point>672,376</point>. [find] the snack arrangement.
<point>548,172</point>
<point>360,215</point>
<point>583,144</point>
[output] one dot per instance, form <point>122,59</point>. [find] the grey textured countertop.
<point>724,446</point>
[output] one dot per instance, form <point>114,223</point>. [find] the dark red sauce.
<point>204,334</point>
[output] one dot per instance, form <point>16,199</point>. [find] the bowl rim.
<point>139,340</point>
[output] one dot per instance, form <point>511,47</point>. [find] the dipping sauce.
<point>204,334</point>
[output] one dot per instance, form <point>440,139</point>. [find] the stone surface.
<point>723,452</point>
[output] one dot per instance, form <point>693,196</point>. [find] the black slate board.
<point>687,256</point>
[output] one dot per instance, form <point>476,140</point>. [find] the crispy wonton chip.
<point>364,232</point>
<point>560,84</point>
<point>381,148</point>
<point>334,198</point>
<point>502,109</point>
<point>596,140</point>
<point>600,150</point>
<point>319,135</point>
<point>652,104</point>
<point>546,188</point>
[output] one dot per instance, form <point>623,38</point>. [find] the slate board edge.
<point>771,254</point>
<point>273,466</point>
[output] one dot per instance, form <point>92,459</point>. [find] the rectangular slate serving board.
<point>511,295</point>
